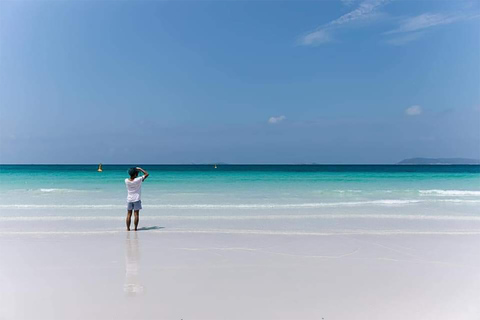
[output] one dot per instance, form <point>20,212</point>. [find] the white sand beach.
<point>157,274</point>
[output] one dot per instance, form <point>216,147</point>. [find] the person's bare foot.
<point>128,229</point>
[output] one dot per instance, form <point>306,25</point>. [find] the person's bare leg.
<point>129,219</point>
<point>137,213</point>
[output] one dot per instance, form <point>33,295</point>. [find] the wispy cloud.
<point>407,30</point>
<point>413,28</point>
<point>366,9</point>
<point>425,20</point>
<point>274,120</point>
<point>413,110</point>
<point>316,38</point>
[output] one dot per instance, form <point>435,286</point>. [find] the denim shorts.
<point>137,205</point>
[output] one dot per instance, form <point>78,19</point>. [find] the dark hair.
<point>132,172</point>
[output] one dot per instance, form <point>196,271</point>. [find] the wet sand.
<point>154,274</point>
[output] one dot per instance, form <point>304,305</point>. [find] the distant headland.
<point>439,161</point>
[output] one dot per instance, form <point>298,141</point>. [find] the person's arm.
<point>145,173</point>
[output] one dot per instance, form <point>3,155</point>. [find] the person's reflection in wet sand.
<point>132,286</point>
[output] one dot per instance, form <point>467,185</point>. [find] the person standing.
<point>134,190</point>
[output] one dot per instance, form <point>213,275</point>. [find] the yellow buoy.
<point>100,168</point>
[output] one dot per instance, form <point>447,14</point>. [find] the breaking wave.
<point>241,206</point>
<point>215,206</point>
<point>447,193</point>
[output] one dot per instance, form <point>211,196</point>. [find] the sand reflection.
<point>132,286</point>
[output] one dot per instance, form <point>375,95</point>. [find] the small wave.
<point>61,206</point>
<point>60,190</point>
<point>457,201</point>
<point>53,190</point>
<point>217,206</point>
<point>287,205</point>
<point>239,206</point>
<point>446,193</point>
<point>342,191</point>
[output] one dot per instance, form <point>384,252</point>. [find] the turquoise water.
<point>293,198</point>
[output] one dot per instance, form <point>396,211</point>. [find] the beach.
<point>242,242</point>
<point>291,160</point>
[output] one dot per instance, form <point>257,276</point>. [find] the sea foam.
<point>456,193</point>
<point>243,206</point>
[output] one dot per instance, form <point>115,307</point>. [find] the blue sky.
<point>352,81</point>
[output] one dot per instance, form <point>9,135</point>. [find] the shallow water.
<point>245,199</point>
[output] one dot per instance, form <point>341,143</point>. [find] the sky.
<point>154,82</point>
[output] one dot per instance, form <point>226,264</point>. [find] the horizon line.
<point>238,164</point>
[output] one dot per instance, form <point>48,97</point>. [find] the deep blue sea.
<point>245,198</point>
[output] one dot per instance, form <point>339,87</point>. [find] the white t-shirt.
<point>134,189</point>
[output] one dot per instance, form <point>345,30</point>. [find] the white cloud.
<point>423,21</point>
<point>274,120</point>
<point>366,9</point>
<point>413,110</point>
<point>315,38</point>
<point>429,20</point>
<point>411,29</point>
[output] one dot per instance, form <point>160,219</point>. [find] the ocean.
<point>244,199</point>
